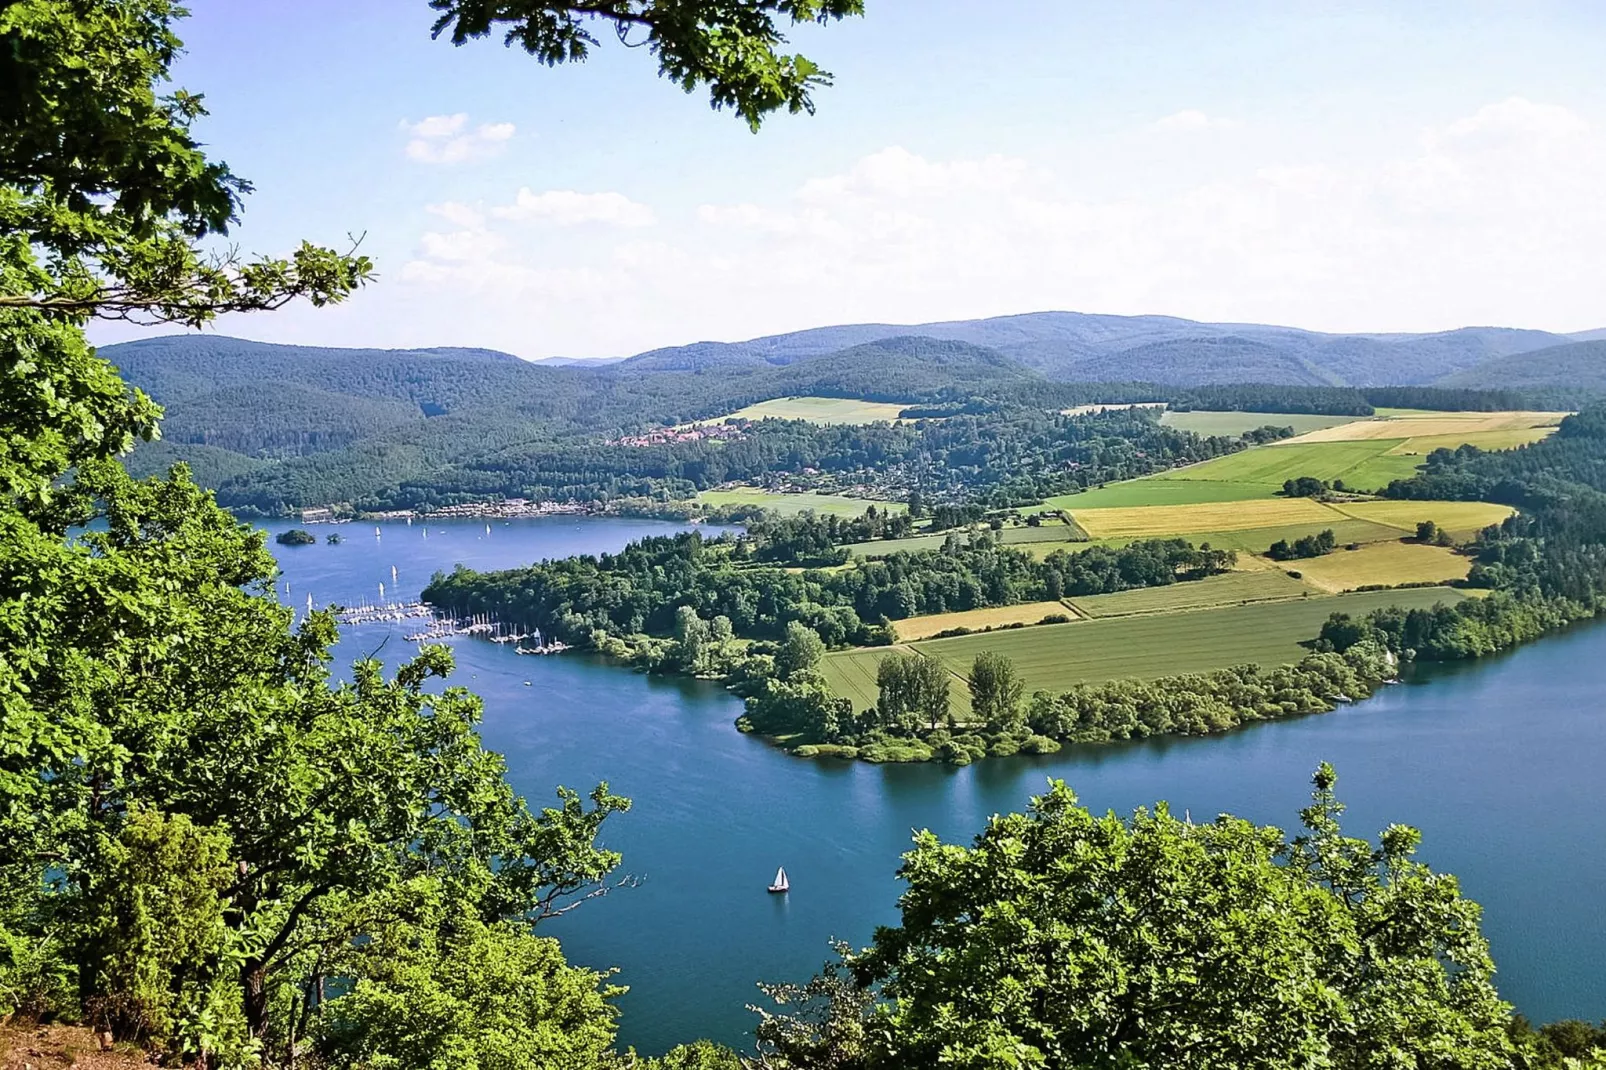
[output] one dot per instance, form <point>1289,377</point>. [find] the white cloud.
<point>567,208</point>
<point>458,213</point>
<point>1192,119</point>
<point>448,139</point>
<point>1494,217</point>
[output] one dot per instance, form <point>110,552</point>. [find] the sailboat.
<point>780,885</point>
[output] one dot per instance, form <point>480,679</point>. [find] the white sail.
<point>781,884</point>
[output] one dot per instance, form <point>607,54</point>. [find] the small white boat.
<point>780,885</point>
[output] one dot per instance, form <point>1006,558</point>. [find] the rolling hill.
<point>1074,346</point>
<point>1581,365</point>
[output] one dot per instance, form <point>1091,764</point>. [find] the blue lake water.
<point>1498,763</point>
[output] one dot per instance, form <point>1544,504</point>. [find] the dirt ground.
<point>51,1047</point>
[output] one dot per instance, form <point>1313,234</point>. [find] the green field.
<point>818,410</point>
<point>1232,588</point>
<point>1236,423</point>
<point>1054,532</point>
<point>1153,490</point>
<point>851,674</point>
<point>1360,464</point>
<point>792,504</point>
<point>1059,656</point>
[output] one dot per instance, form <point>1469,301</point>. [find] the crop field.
<point>1416,425</point>
<point>1458,518</point>
<point>1161,520</point>
<point>1236,423</point>
<point>851,674</point>
<point>1059,656</point>
<point>1233,588</point>
<point>792,504</point>
<point>1257,540</point>
<point>1509,439</point>
<point>913,628</point>
<point>1383,564</point>
<point>1154,490</point>
<point>1271,465</point>
<point>820,410</point>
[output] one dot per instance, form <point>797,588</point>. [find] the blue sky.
<point>1334,166</point>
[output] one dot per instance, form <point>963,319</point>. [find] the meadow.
<point>1366,465</point>
<point>1382,564</point>
<point>792,504</point>
<point>818,410</point>
<point>1232,588</point>
<point>1060,656</point>
<point>913,628</point>
<point>1154,490</point>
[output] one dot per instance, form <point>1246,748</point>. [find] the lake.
<point>1498,763</point>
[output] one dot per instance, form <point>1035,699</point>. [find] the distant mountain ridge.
<point>1077,346</point>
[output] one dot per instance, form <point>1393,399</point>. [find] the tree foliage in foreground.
<point>1064,939</point>
<point>731,46</point>
<point>207,844</point>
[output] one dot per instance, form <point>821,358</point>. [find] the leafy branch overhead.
<point>104,189</point>
<point>734,47</point>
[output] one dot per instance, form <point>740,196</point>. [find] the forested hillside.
<point>1580,364</point>
<point>284,427</point>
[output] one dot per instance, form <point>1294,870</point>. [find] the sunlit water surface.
<point>1498,763</point>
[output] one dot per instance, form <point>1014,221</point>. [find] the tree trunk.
<point>254,987</point>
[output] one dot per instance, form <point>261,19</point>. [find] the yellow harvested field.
<point>914,628</point>
<point>1414,425</point>
<point>1162,520</point>
<point>1458,518</point>
<point>1383,564</point>
<point>1509,439</point>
